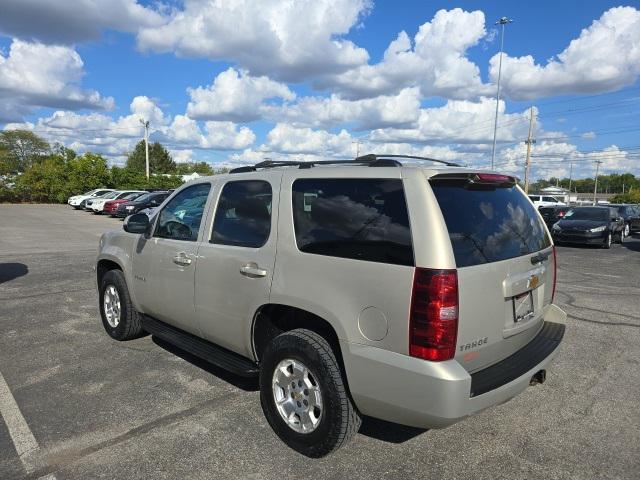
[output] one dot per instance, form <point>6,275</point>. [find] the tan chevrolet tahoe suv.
<point>413,293</point>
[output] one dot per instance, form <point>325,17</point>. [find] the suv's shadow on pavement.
<point>246,384</point>
<point>11,271</point>
<point>633,246</point>
<point>371,427</point>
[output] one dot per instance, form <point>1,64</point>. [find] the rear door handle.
<point>252,270</point>
<point>182,259</point>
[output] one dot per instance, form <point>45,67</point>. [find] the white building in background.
<point>560,193</point>
<point>189,177</point>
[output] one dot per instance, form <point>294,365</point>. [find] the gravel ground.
<point>141,409</point>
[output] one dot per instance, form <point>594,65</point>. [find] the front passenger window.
<point>180,219</point>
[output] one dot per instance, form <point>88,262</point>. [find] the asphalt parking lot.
<point>96,408</point>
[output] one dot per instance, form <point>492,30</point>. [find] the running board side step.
<point>219,356</point>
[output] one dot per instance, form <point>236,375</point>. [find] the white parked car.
<point>545,201</point>
<point>76,200</point>
<point>97,205</point>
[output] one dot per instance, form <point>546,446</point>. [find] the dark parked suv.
<point>149,200</point>
<point>589,226</point>
<point>631,216</point>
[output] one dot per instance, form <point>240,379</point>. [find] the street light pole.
<point>502,22</point>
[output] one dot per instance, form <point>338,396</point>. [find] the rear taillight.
<point>433,320</point>
<point>555,274</point>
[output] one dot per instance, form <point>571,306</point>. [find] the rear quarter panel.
<point>340,289</point>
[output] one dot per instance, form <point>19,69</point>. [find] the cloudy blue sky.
<point>232,82</point>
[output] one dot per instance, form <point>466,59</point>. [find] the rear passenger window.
<point>362,219</point>
<point>243,216</point>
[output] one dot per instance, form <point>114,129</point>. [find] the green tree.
<point>45,181</point>
<point>19,149</point>
<point>203,168</point>
<point>86,172</point>
<point>160,160</point>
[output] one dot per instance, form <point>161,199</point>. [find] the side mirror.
<point>136,223</point>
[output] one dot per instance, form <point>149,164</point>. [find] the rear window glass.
<point>489,225</point>
<point>362,219</point>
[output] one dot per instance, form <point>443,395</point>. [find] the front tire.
<point>607,241</point>
<point>304,396</point>
<point>119,318</point>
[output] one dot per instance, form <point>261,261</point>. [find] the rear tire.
<point>119,318</point>
<point>337,419</point>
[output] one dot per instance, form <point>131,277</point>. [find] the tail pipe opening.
<point>538,378</point>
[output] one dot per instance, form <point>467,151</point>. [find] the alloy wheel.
<point>111,304</point>
<point>297,395</point>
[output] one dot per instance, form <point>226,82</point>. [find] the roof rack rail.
<point>374,157</point>
<point>370,160</point>
<point>242,169</point>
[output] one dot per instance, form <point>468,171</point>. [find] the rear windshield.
<point>489,225</point>
<point>588,214</point>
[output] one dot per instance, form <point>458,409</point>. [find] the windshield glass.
<point>489,225</point>
<point>110,195</point>
<point>131,196</point>
<point>598,214</point>
<point>144,197</point>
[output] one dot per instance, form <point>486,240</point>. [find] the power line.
<point>586,97</point>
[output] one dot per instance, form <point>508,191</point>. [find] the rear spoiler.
<point>491,180</point>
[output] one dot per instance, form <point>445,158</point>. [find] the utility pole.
<point>357,142</point>
<point>502,22</point>
<point>570,174</point>
<point>595,188</point>
<point>530,140</point>
<point>145,123</point>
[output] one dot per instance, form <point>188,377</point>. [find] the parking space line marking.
<point>23,440</point>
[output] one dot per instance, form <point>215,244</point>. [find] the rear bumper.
<point>410,391</point>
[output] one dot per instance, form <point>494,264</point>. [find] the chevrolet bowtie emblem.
<point>533,282</point>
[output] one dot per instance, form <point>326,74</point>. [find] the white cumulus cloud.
<point>435,60</point>
<point>287,40</point>
<point>37,75</point>
<point>235,96</point>
<point>67,22</point>
<point>605,57</point>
